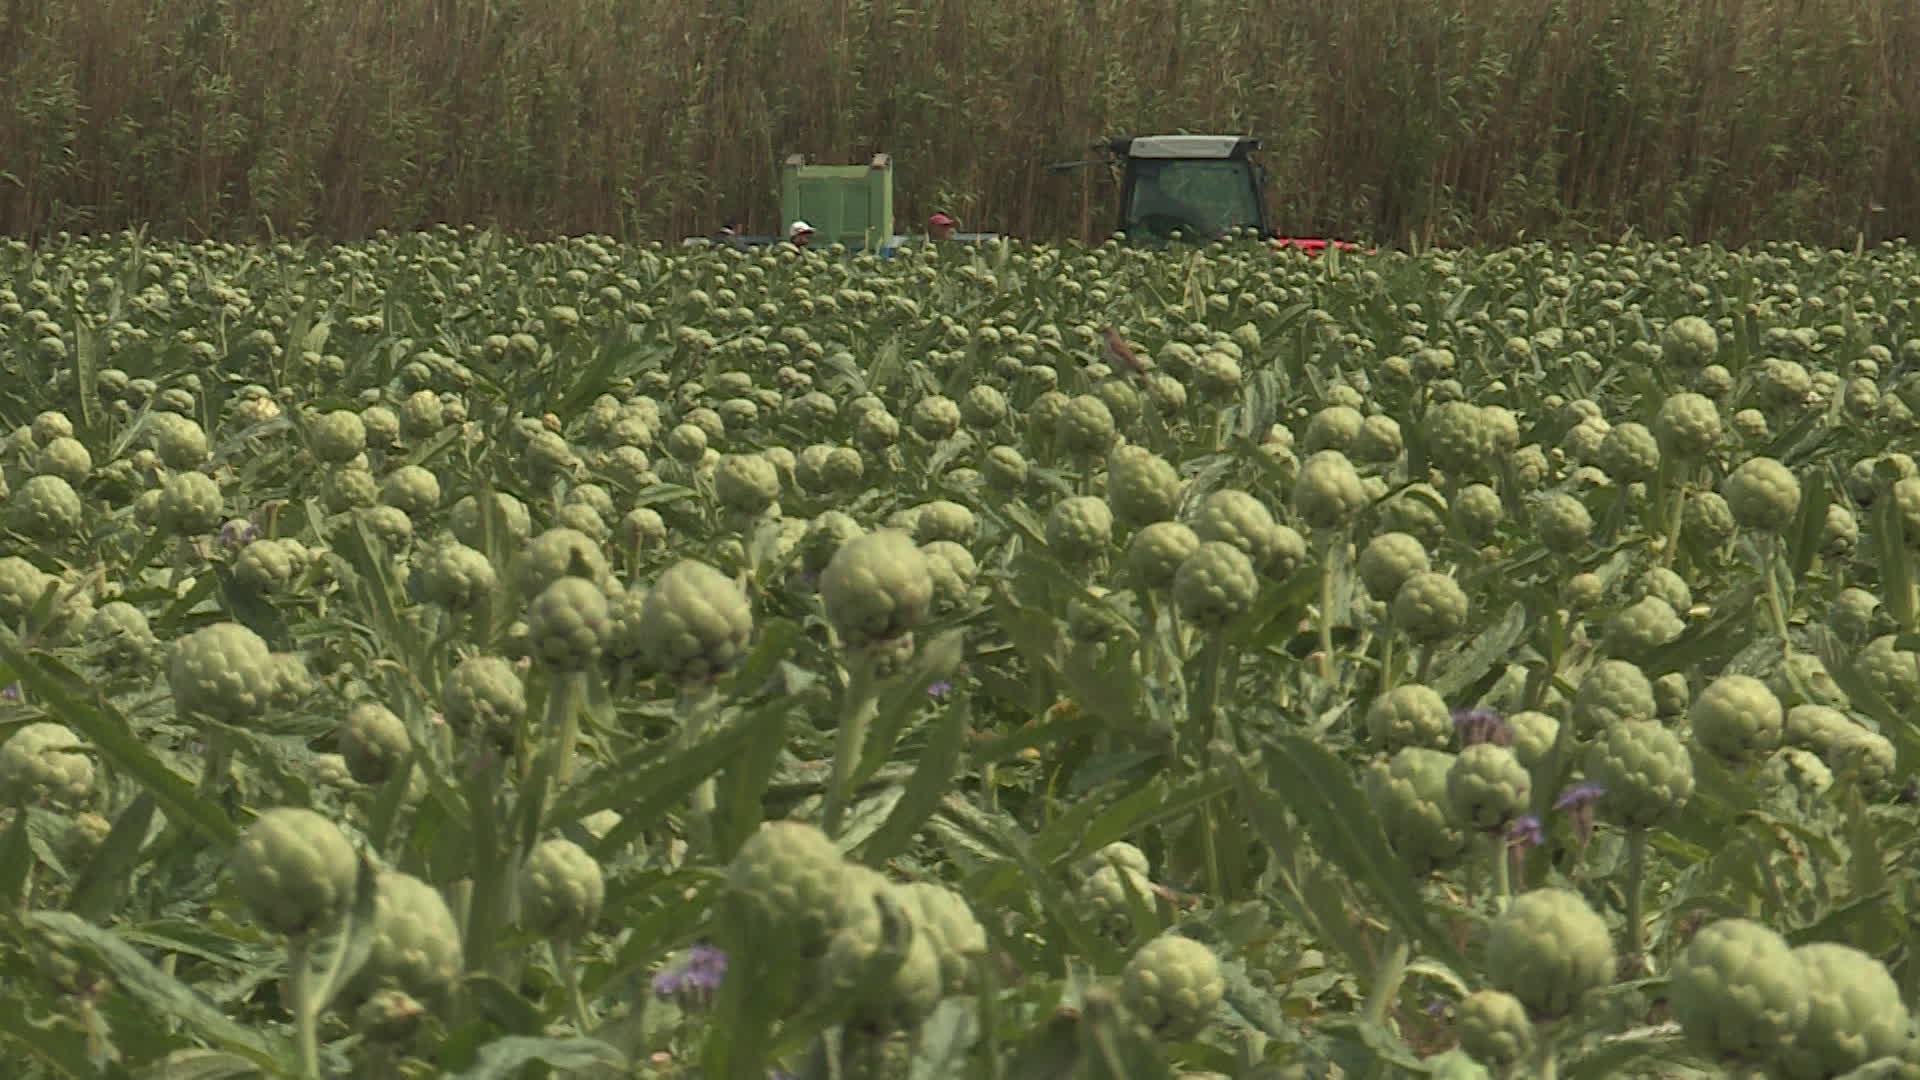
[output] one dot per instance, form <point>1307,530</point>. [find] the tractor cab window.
<point>1199,198</point>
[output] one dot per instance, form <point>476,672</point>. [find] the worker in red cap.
<point>941,227</point>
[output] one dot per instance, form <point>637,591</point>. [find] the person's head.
<point>941,227</point>
<point>800,233</point>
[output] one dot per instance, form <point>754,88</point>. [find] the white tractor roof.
<point>1185,146</point>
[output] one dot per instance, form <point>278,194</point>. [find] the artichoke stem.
<point>219,761</point>
<point>563,724</point>
<point>1547,779</point>
<point>568,965</point>
<point>1388,977</point>
<point>1776,608</point>
<point>1202,708</point>
<point>696,708</point>
<point>1363,647</point>
<point>1537,687</point>
<point>301,998</point>
<point>1676,516</point>
<point>1502,871</point>
<point>443,741</point>
<point>559,737</point>
<point>1547,1065</point>
<point>1636,881</point>
<point>1210,848</point>
<point>329,986</point>
<point>862,704</point>
<point>460,902</point>
<point>1868,875</point>
<point>1326,609</point>
<point>1182,634</point>
<point>1151,640</point>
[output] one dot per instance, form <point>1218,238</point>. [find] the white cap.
<point>797,228</point>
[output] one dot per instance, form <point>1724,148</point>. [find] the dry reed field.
<point>1392,120</point>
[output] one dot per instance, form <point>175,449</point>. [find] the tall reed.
<point>1394,120</point>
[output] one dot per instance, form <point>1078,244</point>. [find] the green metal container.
<point>847,204</point>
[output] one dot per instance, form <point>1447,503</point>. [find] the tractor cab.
<point>1196,186</point>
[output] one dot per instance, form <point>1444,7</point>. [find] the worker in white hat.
<point>800,233</point>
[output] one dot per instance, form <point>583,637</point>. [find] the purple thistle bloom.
<point>238,534</point>
<point>1577,803</point>
<point>697,978</point>
<point>1476,726</point>
<point>1526,832</point>
<point>706,966</point>
<point>1579,796</point>
<point>10,693</point>
<point>939,689</point>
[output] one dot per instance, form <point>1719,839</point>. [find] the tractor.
<point>1192,187</point>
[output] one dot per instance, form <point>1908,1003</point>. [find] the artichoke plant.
<point>695,623</point>
<point>1172,985</point>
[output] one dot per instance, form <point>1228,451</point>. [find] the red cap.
<point>940,220</point>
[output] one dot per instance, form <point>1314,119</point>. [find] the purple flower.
<point>1577,803</point>
<point>1579,796</point>
<point>1526,832</point>
<point>238,534</point>
<point>10,693</point>
<point>1476,726</point>
<point>939,689</point>
<point>696,978</point>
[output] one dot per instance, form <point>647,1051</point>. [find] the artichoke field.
<point>449,655</point>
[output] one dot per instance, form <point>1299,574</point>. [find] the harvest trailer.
<point>850,205</point>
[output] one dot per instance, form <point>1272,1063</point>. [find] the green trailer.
<point>850,205</point>
<point>845,204</point>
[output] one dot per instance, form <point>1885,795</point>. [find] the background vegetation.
<point>1389,119</point>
